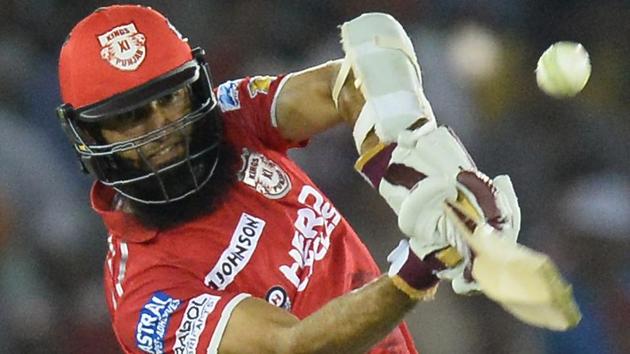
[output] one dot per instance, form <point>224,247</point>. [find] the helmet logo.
<point>123,47</point>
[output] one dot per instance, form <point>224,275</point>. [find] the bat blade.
<point>524,282</point>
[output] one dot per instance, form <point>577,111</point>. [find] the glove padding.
<point>448,197</point>
<point>489,203</point>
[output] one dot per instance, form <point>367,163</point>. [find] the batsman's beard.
<point>177,180</point>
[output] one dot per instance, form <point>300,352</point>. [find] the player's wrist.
<point>413,276</point>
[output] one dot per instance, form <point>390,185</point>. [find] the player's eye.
<point>127,120</point>
<point>174,98</point>
<point>127,116</point>
<point>167,99</point>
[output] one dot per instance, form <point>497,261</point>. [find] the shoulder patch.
<point>227,95</point>
<point>153,322</point>
<point>259,84</point>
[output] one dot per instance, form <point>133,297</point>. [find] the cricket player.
<point>218,242</point>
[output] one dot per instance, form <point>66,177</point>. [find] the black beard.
<point>204,201</point>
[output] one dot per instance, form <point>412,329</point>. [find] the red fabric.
<point>290,238</point>
<point>86,77</point>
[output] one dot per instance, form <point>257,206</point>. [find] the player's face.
<point>154,115</point>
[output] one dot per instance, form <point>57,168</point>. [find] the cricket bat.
<point>526,283</point>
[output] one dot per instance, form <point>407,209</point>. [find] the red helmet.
<point>121,58</point>
<point>116,49</point>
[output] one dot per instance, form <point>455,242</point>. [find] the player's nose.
<point>158,116</point>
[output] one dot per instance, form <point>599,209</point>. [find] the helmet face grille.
<point>173,182</point>
<point>151,182</point>
<point>117,60</point>
<point>195,136</point>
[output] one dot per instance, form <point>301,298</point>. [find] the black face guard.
<point>199,131</point>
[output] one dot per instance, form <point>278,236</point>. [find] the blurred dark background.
<point>568,159</point>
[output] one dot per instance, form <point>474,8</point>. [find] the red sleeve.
<point>253,100</point>
<point>169,315</point>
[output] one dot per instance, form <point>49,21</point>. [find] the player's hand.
<point>450,199</point>
<point>436,158</point>
<point>482,202</point>
<point>424,218</point>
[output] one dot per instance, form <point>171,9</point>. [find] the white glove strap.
<point>387,73</point>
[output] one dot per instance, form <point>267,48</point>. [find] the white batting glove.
<point>482,203</point>
<point>430,212</point>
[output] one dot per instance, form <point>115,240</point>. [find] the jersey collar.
<point>123,225</point>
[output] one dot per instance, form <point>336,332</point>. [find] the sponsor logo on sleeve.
<point>259,84</point>
<point>153,322</point>
<point>228,96</point>
<point>237,255</point>
<point>123,47</point>
<point>278,297</point>
<point>264,175</point>
<point>193,323</point>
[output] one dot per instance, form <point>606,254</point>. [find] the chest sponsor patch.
<point>239,252</point>
<point>314,225</point>
<point>153,322</point>
<point>193,323</point>
<point>123,47</point>
<point>227,95</point>
<point>264,175</point>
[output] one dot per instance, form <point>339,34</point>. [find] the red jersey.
<point>276,237</point>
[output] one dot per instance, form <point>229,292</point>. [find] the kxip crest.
<point>264,175</point>
<point>123,47</point>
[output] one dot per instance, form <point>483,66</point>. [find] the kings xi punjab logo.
<point>123,47</point>
<point>264,175</point>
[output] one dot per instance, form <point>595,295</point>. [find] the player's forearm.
<point>352,323</point>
